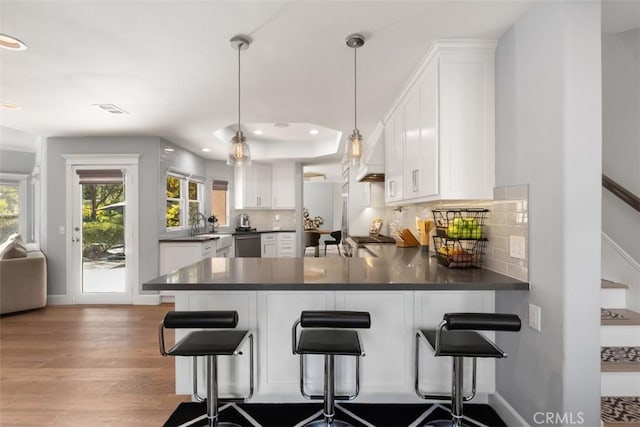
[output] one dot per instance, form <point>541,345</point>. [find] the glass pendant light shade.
<point>239,152</point>
<point>355,144</point>
<point>355,148</point>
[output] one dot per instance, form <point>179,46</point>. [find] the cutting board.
<point>407,239</point>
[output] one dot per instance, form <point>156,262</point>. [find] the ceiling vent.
<point>111,108</point>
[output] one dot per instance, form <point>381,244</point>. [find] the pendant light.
<point>354,147</point>
<point>239,153</point>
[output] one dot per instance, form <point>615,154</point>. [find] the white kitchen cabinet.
<point>253,187</point>
<point>444,123</point>
<point>420,151</point>
<point>174,255</point>
<point>269,245</point>
<point>393,146</point>
<point>286,245</point>
<point>283,186</point>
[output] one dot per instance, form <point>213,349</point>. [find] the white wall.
<point>548,127</point>
<point>621,136</point>
<point>56,213</point>
<point>319,199</point>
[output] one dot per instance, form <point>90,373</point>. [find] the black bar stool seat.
<point>212,339</point>
<point>456,337</point>
<point>463,343</point>
<point>329,333</point>
<point>333,342</point>
<point>205,343</point>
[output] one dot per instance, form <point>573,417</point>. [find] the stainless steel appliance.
<point>243,221</point>
<point>247,243</point>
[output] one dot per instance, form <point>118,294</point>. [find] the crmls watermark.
<point>556,418</point>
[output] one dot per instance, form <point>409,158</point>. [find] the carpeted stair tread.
<point>618,317</point>
<point>620,411</point>
<point>608,284</point>
<point>620,359</point>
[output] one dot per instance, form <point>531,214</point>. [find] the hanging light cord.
<point>239,48</point>
<point>355,88</point>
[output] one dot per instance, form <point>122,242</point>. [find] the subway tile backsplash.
<point>266,219</point>
<point>508,216</point>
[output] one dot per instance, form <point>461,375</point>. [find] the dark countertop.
<point>214,236</point>
<point>196,238</point>
<point>393,269</point>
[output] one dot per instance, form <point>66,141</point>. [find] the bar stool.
<point>456,337</point>
<point>211,344</point>
<point>323,333</point>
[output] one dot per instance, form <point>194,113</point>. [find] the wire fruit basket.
<point>459,239</point>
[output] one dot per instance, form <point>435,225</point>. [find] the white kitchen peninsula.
<point>403,289</point>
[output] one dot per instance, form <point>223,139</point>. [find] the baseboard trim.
<point>506,411</point>
<point>628,258</point>
<point>146,299</point>
<point>137,300</point>
<point>59,300</point>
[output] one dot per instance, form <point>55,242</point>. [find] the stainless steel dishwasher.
<point>248,244</point>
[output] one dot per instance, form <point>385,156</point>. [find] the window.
<point>183,200</point>
<point>220,201</point>
<point>9,210</point>
<point>13,205</point>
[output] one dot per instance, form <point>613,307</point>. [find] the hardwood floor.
<point>85,365</point>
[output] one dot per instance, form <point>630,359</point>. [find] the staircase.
<point>620,358</point>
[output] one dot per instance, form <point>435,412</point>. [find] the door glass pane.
<point>103,226</point>
<point>9,213</point>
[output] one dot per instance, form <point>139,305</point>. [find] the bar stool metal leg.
<point>329,401</point>
<point>212,392</point>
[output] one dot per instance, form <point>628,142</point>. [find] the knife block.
<point>407,239</point>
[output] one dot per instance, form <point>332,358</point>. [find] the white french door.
<point>102,228</point>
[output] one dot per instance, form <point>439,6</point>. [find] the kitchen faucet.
<point>195,222</point>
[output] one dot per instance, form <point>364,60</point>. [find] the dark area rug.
<point>358,414</point>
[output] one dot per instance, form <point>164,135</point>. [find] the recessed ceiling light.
<point>314,131</point>
<point>169,150</point>
<point>281,125</point>
<point>11,43</point>
<point>206,150</point>
<point>9,106</point>
<point>258,132</point>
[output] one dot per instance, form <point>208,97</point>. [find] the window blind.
<point>220,185</point>
<point>100,176</point>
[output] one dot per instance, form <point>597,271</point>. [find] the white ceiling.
<point>170,66</point>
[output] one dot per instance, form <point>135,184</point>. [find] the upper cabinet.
<point>283,186</point>
<point>265,187</point>
<point>253,187</point>
<point>393,145</point>
<point>440,133</point>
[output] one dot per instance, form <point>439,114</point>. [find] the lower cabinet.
<point>174,255</point>
<point>286,245</point>
<point>278,245</point>
<point>269,245</point>
<point>386,370</point>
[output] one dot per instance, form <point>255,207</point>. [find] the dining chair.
<point>312,240</point>
<point>337,236</point>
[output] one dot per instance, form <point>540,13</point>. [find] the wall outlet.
<point>535,317</point>
<point>516,247</point>
<point>61,230</point>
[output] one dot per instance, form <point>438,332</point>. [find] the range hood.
<point>372,174</point>
<point>372,169</point>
